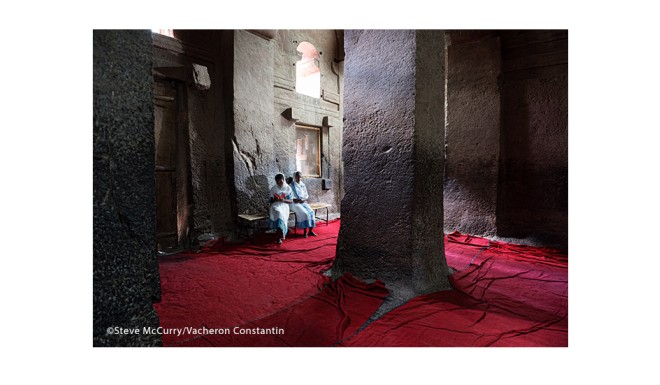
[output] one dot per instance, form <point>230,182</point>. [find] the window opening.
<point>308,151</point>
<point>308,73</point>
<point>166,32</point>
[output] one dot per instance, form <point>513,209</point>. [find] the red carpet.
<point>322,320</point>
<point>506,295</point>
<point>229,285</point>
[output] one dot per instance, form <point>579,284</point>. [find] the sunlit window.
<point>308,73</point>
<point>308,150</point>
<point>166,32</point>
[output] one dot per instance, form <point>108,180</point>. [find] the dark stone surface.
<point>255,140</point>
<point>473,134</point>
<point>429,267</point>
<point>126,279</point>
<point>507,136</point>
<point>393,158</point>
<point>207,125</point>
<point>533,194</point>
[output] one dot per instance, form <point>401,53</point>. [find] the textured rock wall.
<point>263,140</point>
<point>255,138</point>
<point>393,159</point>
<point>125,266</point>
<point>429,267</point>
<point>533,195</point>
<point>207,124</point>
<point>507,135</point>
<point>238,136</point>
<point>473,132</point>
<point>211,186</point>
<point>323,112</point>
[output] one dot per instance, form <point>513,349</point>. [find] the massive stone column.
<point>255,142</point>
<point>125,261</point>
<point>392,213</point>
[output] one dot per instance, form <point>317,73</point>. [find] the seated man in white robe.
<point>304,213</point>
<point>278,215</point>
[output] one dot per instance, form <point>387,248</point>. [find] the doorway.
<point>172,166</point>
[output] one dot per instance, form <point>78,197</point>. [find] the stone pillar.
<point>392,213</point>
<point>126,279</point>
<point>255,141</point>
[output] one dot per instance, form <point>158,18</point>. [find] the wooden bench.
<point>317,206</point>
<point>245,221</point>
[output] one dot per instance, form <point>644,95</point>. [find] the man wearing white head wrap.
<point>280,198</point>
<point>304,213</point>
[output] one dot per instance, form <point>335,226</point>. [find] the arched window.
<point>308,73</point>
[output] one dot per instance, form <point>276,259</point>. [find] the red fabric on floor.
<point>457,244</point>
<point>523,280</point>
<point>323,320</point>
<point>505,295</point>
<point>226,285</point>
